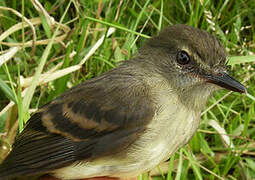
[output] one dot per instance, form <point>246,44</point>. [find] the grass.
<point>38,71</point>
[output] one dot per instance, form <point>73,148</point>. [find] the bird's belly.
<point>167,138</point>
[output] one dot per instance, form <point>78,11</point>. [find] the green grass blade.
<point>241,59</point>
<point>194,166</point>
<point>7,90</point>
<point>117,26</point>
<point>179,170</point>
<point>170,168</point>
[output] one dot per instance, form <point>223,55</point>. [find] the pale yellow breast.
<point>171,128</point>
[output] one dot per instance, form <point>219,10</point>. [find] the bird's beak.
<point>224,80</point>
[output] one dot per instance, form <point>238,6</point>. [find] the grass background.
<point>223,147</point>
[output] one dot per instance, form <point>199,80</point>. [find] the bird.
<point>129,119</point>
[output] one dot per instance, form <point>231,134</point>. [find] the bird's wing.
<point>91,120</point>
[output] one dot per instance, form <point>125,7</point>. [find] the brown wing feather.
<point>36,151</point>
<point>99,117</point>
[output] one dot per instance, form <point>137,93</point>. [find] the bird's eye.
<point>183,57</point>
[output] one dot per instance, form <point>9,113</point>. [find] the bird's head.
<point>192,60</point>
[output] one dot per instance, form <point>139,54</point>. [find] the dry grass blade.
<point>34,21</point>
<point>26,20</point>
<point>223,134</point>
<point>19,26</point>
<point>8,55</point>
<point>97,45</point>
<point>38,6</point>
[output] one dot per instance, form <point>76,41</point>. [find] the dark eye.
<point>183,57</point>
